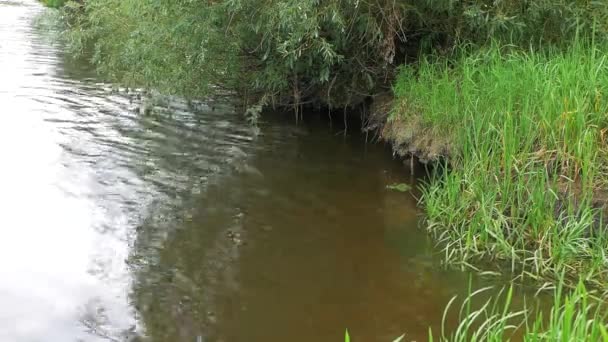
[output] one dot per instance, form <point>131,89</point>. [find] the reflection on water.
<point>64,238</point>
<point>185,226</point>
<point>297,251</point>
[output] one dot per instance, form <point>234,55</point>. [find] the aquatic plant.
<point>573,316</point>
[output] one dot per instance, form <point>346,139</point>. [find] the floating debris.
<point>401,187</point>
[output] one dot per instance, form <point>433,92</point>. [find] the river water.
<point>185,225</point>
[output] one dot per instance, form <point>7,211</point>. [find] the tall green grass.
<point>527,164</point>
<point>572,317</point>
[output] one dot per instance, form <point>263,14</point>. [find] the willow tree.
<point>291,52</point>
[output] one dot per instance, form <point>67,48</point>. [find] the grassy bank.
<point>524,134</point>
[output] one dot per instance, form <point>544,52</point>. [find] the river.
<point>186,225</point>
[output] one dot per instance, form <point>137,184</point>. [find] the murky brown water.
<point>186,226</point>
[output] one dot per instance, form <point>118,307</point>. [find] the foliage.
<point>155,44</point>
<point>522,22</point>
<point>529,162</point>
<point>281,52</point>
<point>286,52</point>
<point>53,3</point>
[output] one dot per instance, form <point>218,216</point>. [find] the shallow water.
<point>186,226</point>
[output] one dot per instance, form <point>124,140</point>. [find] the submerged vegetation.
<point>509,98</point>
<point>572,317</point>
<point>489,315</point>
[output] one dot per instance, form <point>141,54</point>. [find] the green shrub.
<point>289,52</point>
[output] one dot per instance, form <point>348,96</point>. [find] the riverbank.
<point>523,137</point>
<point>518,141</point>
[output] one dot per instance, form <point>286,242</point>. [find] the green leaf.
<point>604,332</point>
<point>346,336</point>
